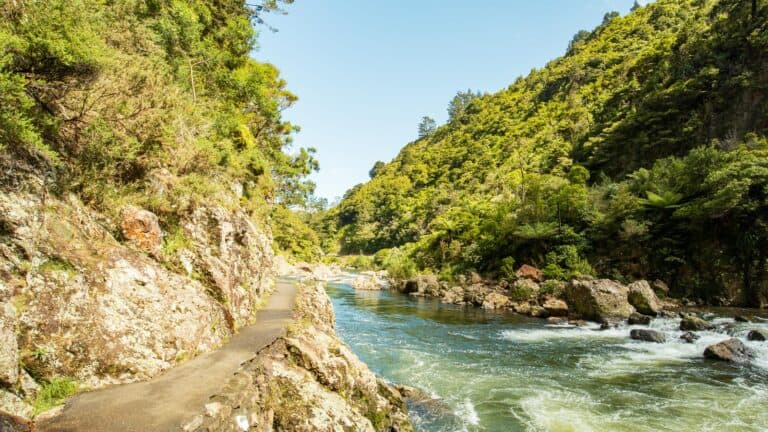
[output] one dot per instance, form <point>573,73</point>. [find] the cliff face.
<point>101,302</point>
<point>306,381</point>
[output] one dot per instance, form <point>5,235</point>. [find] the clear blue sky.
<point>366,71</point>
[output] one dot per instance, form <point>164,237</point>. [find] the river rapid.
<point>498,371</point>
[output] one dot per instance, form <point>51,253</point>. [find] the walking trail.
<point>167,401</point>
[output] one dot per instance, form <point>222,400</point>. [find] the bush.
<point>54,392</point>
<point>399,265</point>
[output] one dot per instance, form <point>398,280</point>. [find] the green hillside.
<point>639,153</point>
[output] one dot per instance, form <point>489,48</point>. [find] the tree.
<point>377,167</point>
<point>427,126</point>
<point>460,102</point>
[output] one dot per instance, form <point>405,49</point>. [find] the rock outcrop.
<point>496,300</point>
<point>598,299</point>
<point>308,381</point>
<point>642,297</point>
<point>77,302</point>
<point>731,350</point>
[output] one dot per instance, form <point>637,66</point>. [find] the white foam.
<point>467,412</point>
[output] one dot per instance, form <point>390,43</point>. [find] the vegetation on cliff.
<point>107,97</point>
<point>641,153</point>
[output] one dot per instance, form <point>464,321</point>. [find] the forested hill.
<point>639,153</point>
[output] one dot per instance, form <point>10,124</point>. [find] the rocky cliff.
<point>97,301</point>
<point>306,381</point>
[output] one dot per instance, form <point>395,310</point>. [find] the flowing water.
<point>490,371</point>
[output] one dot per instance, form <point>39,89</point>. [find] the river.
<point>498,371</point>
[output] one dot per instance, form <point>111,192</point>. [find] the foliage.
<point>54,392</point>
<point>110,97</point>
<point>427,126</point>
<point>640,152</point>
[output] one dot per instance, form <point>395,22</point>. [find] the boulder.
<point>689,337</point>
<point>367,283</point>
<point>475,294</point>
<point>648,335</point>
<point>694,323</point>
<point>475,278</point>
<point>642,297</point>
<point>9,348</point>
<point>731,350</point>
<point>638,319</point>
<point>741,318</point>
<point>757,335</point>
<point>422,286</point>
<point>557,320</point>
<point>13,423</point>
<point>660,288</point>
<point>12,404</point>
<point>495,300</point>
<point>598,299</point>
<point>529,272</point>
<point>142,229</point>
<point>523,308</point>
<point>538,312</point>
<point>555,306</point>
<point>454,295</point>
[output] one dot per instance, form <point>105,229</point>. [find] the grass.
<point>54,393</point>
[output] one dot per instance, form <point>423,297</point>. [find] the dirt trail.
<point>165,402</point>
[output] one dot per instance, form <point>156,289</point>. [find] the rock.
<point>556,320</point>
<point>648,335</point>
<point>689,337</point>
<point>578,322</point>
<point>475,278</point>
<point>141,317</point>
<point>496,300</point>
<point>731,350</point>
<point>523,308</point>
<point>9,348</point>
<point>638,319</point>
<point>741,318</point>
<point>555,307</point>
<point>422,286</point>
<point>667,314</point>
<point>538,312</point>
<point>454,295</point>
<point>642,297</point>
<point>694,323</point>
<point>12,404</point>
<point>142,229</point>
<point>529,272</point>
<point>475,294</point>
<point>660,288</point>
<point>12,423</point>
<point>236,258</point>
<point>598,299</point>
<point>29,387</point>
<point>367,283</point>
<point>757,335</point>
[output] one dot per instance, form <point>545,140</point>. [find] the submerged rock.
<point>598,299</point>
<point>731,350</point>
<point>642,297</point>
<point>757,335</point>
<point>694,323</point>
<point>689,337</point>
<point>638,319</point>
<point>648,335</point>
